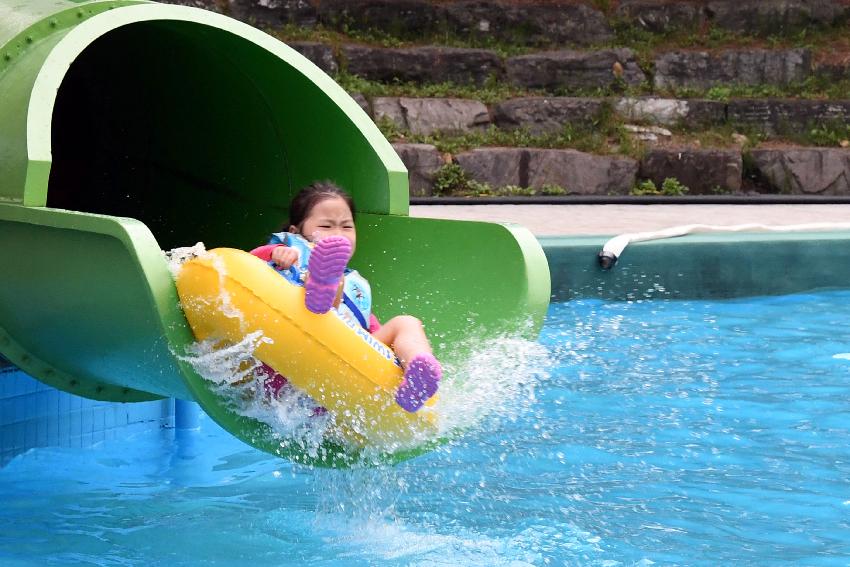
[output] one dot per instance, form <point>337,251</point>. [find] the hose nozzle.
<point>606,259</point>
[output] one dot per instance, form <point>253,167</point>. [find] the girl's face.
<point>328,217</point>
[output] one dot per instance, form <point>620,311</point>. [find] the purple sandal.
<point>421,380</point>
<point>327,264</point>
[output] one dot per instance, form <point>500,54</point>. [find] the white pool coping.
<point>569,220</point>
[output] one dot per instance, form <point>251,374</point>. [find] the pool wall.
<point>691,267</point>
<point>33,414</point>
<point>700,266</point>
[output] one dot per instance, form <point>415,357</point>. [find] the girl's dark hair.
<point>312,195</point>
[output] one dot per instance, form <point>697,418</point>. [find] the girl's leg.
<point>406,337</point>
<point>422,372</point>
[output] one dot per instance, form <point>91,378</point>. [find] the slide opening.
<point>161,122</point>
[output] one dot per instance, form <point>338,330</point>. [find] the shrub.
<point>673,187</point>
<point>670,187</point>
<point>450,179</point>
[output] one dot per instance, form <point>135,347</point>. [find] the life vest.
<point>356,305</point>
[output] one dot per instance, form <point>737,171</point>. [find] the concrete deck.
<point>567,220</point>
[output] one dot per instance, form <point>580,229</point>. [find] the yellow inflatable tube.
<point>227,294</point>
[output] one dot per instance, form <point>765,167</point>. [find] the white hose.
<point>615,246</point>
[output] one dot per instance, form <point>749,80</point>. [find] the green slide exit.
<point>129,128</point>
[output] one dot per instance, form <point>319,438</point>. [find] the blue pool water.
<point>665,432</point>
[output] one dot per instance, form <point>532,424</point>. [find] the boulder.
<point>320,54</point>
<point>780,116</point>
<point>803,171</point>
<point>570,70</point>
<point>702,171</point>
<point>422,64</point>
<point>578,172</point>
<point>430,115</point>
<point>703,69</point>
<point>546,115</point>
<point>422,162</point>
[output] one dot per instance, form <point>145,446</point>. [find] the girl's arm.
<point>265,252</point>
<point>374,324</point>
<point>281,254</point>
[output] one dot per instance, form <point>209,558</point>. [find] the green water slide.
<point>128,128</point>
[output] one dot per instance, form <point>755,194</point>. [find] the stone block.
<point>274,13</point>
<point>776,17</point>
<point>578,172</point>
<point>218,6</point>
<point>546,115</point>
<point>498,167</point>
<point>582,173</point>
<point>430,115</point>
<point>803,171</point>
<point>422,162</point>
<point>785,116</point>
<point>362,102</point>
<point>320,54</point>
<point>407,19</point>
<point>703,69</point>
<point>661,16</point>
<point>672,111</point>
<point>529,23</point>
<point>423,64</point>
<point>570,70</point>
<point>702,171</point>
<point>754,17</point>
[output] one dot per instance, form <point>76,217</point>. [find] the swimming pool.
<point>666,432</point>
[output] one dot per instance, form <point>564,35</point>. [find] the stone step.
<point>549,115</point>
<point>754,17</point>
<point>789,170</point>
<point>573,70</point>
<point>536,22</point>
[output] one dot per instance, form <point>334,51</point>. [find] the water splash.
<point>179,256</point>
<point>498,379</point>
<point>239,380</point>
<point>494,380</point>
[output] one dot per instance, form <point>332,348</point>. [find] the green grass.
<point>495,91</point>
<point>491,92</point>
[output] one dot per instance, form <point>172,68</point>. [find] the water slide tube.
<point>128,128</point>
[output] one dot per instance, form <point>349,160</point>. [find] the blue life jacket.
<point>356,305</point>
